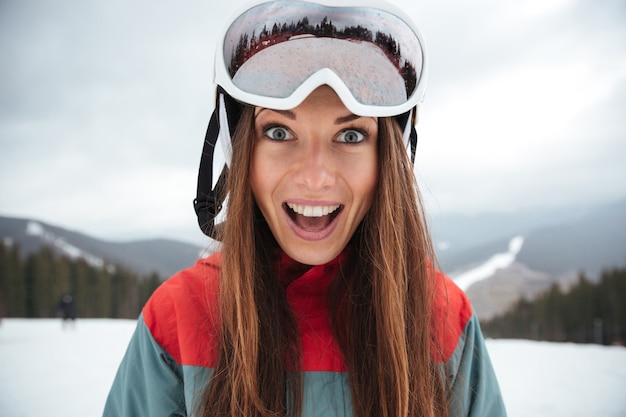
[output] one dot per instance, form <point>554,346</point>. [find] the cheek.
<point>263,180</point>
<point>364,178</point>
<point>369,183</point>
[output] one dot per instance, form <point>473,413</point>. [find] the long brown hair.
<point>381,302</point>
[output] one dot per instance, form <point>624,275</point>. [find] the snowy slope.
<point>51,372</point>
<point>486,270</point>
<point>165,256</point>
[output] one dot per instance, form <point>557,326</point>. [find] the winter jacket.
<point>173,350</point>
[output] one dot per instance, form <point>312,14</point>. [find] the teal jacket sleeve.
<point>148,381</point>
<point>474,387</point>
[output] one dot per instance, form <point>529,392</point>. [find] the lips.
<point>312,219</point>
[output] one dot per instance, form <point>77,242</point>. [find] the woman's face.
<point>314,172</point>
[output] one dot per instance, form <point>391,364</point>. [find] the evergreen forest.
<point>32,286</point>
<point>589,312</point>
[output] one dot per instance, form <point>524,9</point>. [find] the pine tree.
<point>33,287</point>
<point>589,313</point>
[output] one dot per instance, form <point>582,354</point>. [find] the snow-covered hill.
<point>558,242</point>
<point>495,258</point>
<point>54,372</point>
<point>164,256</point>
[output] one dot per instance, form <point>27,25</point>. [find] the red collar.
<point>290,270</point>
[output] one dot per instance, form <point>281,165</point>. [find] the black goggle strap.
<point>216,153</point>
<point>409,135</point>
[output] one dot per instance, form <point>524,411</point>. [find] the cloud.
<point>104,106</point>
<point>525,106</point>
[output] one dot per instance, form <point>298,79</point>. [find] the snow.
<point>560,379</point>
<point>51,371</point>
<point>37,229</point>
<point>487,269</point>
<point>34,229</point>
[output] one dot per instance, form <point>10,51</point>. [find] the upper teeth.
<point>312,211</point>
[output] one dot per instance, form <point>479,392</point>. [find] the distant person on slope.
<point>66,309</point>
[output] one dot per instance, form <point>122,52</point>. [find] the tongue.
<point>312,224</point>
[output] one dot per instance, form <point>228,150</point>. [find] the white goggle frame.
<point>359,75</point>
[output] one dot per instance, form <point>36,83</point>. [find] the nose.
<point>315,167</point>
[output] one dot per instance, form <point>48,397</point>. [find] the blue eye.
<point>351,136</point>
<point>278,133</point>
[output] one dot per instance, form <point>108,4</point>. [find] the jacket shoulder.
<point>182,314</point>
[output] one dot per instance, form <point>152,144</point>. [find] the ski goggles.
<point>275,53</point>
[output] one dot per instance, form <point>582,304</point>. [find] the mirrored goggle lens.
<point>273,48</point>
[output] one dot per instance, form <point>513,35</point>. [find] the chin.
<point>312,256</point>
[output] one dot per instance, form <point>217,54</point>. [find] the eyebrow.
<point>347,118</point>
<point>291,115</point>
<point>287,113</point>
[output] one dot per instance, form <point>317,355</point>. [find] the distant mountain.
<point>163,256</point>
<point>557,247</point>
<point>499,257</point>
<point>596,241</point>
<point>557,242</point>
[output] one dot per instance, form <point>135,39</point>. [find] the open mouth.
<point>312,218</point>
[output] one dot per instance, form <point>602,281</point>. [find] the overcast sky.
<point>104,105</point>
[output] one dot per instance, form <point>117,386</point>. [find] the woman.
<point>323,299</point>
